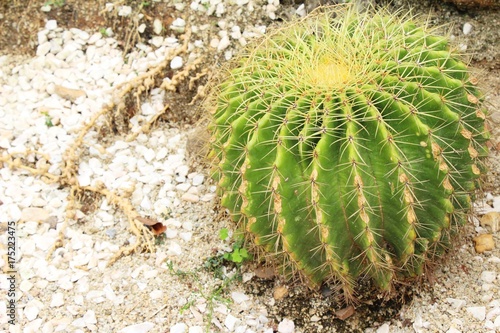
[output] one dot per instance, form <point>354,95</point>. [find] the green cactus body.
<point>348,145</point>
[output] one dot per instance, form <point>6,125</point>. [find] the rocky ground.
<point>99,111</point>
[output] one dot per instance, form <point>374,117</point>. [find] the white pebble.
<point>125,11</point>
<point>457,304</point>
<point>156,294</point>
<point>214,42</point>
<point>187,225</point>
<point>488,276</point>
<point>25,286</point>
<point>239,297</point>
<point>171,233</point>
<point>198,180</point>
<point>467,28</point>
<point>178,25</point>
<point>186,236</point>
<point>157,41</point>
<point>189,197</point>
<point>385,328</point>
<point>89,317</point>
<point>31,311</point>
<point>57,300</point>
<point>230,322</point>
<point>157,26</point>
<point>178,328</point>
<point>51,25</point>
<point>176,250</point>
<point>223,43</point>
<point>478,312</point>
<point>43,49</point>
<point>176,63</point>
<point>286,326</point>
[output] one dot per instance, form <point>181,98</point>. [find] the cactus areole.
<point>348,146</point>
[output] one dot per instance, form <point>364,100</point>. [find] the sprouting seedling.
<point>347,146</point>
<point>238,253</point>
<point>48,119</point>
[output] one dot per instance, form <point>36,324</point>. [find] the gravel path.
<point>69,104</point>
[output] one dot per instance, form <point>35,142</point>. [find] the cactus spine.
<point>347,145</point>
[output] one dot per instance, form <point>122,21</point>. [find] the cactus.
<point>347,146</point>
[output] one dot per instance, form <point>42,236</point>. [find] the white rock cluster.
<point>44,102</point>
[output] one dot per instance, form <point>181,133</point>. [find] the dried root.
<point>126,101</point>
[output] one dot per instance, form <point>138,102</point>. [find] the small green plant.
<point>103,32</point>
<point>214,295</point>
<point>48,119</point>
<point>236,256</point>
<point>238,253</point>
<point>348,145</point>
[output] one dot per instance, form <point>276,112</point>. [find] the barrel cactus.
<point>348,146</point>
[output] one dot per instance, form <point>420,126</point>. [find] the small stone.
<point>51,25</point>
<point>57,300</point>
<point>345,313</point>
<point>25,286</point>
<point>491,221</point>
<point>286,326</point>
<point>89,318</point>
<point>189,197</point>
<point>178,328</point>
<point>68,93</point>
<point>239,297</point>
<point>315,318</point>
<point>385,328</point>
<point>156,294</point>
<point>157,41</point>
<point>198,180</point>
<point>488,276</point>
<point>280,292</point>
<point>230,322</point>
<point>34,214</point>
<point>223,43</point>
<point>157,26</point>
<point>186,236</point>
<point>484,243</point>
<point>467,28</point>
<point>176,62</point>
<point>31,311</point>
<point>125,11</point>
<point>178,25</point>
<point>111,233</point>
<point>457,304</point>
<point>174,249</point>
<point>43,49</point>
<point>183,187</point>
<point>478,312</point>
<point>138,328</point>
<point>496,323</point>
<point>214,42</point>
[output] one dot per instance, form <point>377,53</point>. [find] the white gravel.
<point>44,102</point>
